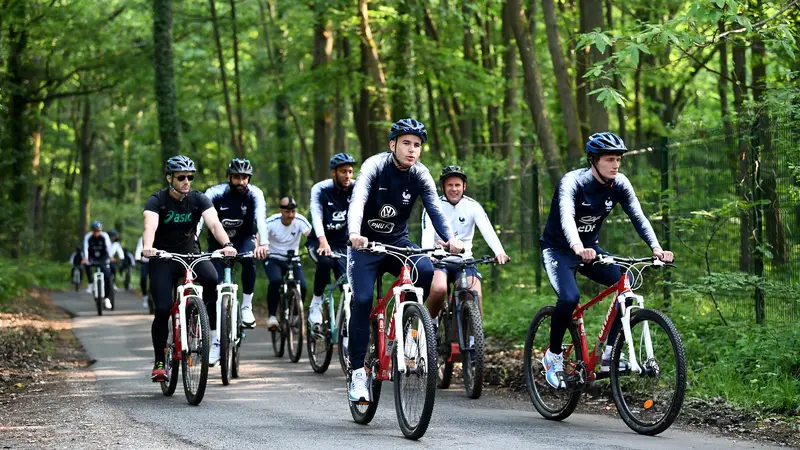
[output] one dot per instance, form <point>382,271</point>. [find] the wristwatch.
<point>228,244</point>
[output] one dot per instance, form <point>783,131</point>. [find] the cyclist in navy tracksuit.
<point>97,252</point>
<point>581,202</point>
<point>240,205</point>
<point>388,185</point>
<point>329,202</point>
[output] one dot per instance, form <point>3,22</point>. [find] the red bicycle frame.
<point>388,339</point>
<point>177,352</point>
<point>620,287</point>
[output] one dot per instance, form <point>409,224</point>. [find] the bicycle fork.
<point>638,302</point>
<point>400,307</point>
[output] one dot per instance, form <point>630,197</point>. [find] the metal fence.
<point>726,201</point>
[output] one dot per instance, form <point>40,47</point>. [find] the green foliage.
<point>18,275</point>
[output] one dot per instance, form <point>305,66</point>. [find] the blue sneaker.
<point>554,367</point>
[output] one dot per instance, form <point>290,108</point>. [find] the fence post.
<point>758,232</point>
<point>536,227</point>
<point>663,147</point>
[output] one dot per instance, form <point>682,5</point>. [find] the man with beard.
<point>329,202</point>
<point>240,205</point>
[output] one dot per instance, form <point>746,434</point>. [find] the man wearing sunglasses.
<point>240,205</point>
<point>170,220</point>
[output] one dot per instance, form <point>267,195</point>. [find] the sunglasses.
<point>184,177</point>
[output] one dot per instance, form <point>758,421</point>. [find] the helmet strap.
<point>606,182</point>
<point>172,187</point>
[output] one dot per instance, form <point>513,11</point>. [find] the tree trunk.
<point>239,148</point>
<point>86,140</point>
<point>744,157</point>
<point>432,120</point>
<point>534,93</point>
<point>773,223</point>
<point>493,110</point>
<point>509,112</point>
<point>166,97</point>
<point>591,18</point>
<point>464,148</point>
<point>615,82</point>
<point>402,76</point>
<point>323,113</point>
<point>374,67</point>
<point>221,60</point>
<point>36,185</point>
<point>361,109</point>
<point>637,103</point>
<point>18,137</point>
<point>568,111</point>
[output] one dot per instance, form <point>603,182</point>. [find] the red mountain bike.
<point>414,370</point>
<point>648,392</point>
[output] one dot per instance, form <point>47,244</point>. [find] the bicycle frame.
<point>230,290</point>
<point>99,282</point>
<point>331,300</point>
<point>456,347</point>
<point>623,291</point>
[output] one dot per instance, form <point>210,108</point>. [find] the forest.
<point>95,96</point>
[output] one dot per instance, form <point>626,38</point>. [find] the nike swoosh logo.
<point>223,208</point>
<point>381,189</point>
<point>586,204</point>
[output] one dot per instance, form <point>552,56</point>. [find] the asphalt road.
<point>278,404</point>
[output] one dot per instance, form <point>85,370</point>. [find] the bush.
<point>18,275</point>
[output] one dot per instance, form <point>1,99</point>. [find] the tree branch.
<point>755,25</point>
<point>71,93</point>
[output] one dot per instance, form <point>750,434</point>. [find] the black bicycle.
<point>460,333</point>
<point>290,310</point>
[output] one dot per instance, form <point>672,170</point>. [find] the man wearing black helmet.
<point>97,252</point>
<point>463,214</point>
<point>241,206</point>
<point>329,202</point>
<point>581,202</point>
<point>388,185</point>
<point>170,220</point>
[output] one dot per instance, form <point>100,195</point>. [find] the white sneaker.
<point>108,303</point>
<point>272,323</point>
<point>359,390</point>
<point>213,354</point>
<point>554,369</point>
<point>145,305</point>
<point>90,289</point>
<point>248,319</point>
<point>115,288</point>
<point>315,314</point>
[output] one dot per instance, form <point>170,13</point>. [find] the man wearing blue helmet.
<point>387,187</point>
<point>329,202</point>
<point>581,202</point>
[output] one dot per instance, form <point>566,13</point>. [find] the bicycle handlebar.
<point>377,247</point>
<point>290,257</point>
<point>466,262</point>
<point>610,259</point>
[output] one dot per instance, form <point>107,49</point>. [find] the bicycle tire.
<point>321,365</point>
<point>76,279</point>
<point>341,347</point>
<point>294,329</point>
<point>98,301</point>
<point>444,367</point>
<point>428,368</point>
<point>371,360</point>
<point>225,351</point>
<point>196,311</point>
<point>650,428</point>
<point>170,365</point>
<point>128,279</point>
<point>572,396</point>
<point>237,346</point>
<point>472,367</point>
<point>278,335</point>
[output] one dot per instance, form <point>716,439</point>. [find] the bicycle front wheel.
<point>650,401</point>
<point>415,390</point>
<point>195,355</point>
<point>225,341</point>
<point>552,403</point>
<point>341,325</point>
<point>319,345</point>
<point>295,325</point>
<point>236,348</point>
<point>170,364</point>
<point>364,413</point>
<point>279,334</point>
<point>472,354</point>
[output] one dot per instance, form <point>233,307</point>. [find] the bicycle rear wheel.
<point>319,345</point>
<point>552,404</point>
<point>415,390</point>
<point>363,414</point>
<point>649,402</point>
<point>444,372</point>
<point>472,354</point>
<point>194,364</point>
<point>295,324</point>
<point>170,365</point>
<point>225,341</point>
<point>279,334</point>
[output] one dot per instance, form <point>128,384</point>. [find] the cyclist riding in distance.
<point>116,253</point>
<point>76,258</point>
<point>463,213</point>
<point>97,252</point>
<point>284,230</point>
<point>170,220</point>
<point>388,185</point>
<point>329,202</point>
<point>240,205</point>
<point>581,202</point>
<point>144,271</point>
